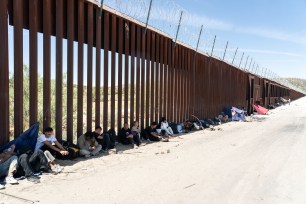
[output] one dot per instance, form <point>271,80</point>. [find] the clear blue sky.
<point>273,32</point>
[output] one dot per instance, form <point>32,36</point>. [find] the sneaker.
<point>2,187</point>
<point>87,155</point>
<point>53,170</point>
<point>33,179</point>
<point>103,151</point>
<point>59,168</point>
<point>11,180</point>
<point>165,140</point>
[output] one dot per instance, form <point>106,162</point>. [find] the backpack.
<point>73,150</point>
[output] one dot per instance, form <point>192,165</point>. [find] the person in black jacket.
<point>127,137</point>
<point>102,138</point>
<point>151,134</point>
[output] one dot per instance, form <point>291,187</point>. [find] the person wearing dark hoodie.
<point>127,137</point>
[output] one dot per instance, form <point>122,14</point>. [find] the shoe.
<point>165,140</point>
<point>38,173</point>
<point>59,168</point>
<point>11,180</point>
<point>2,187</point>
<point>33,179</point>
<point>103,151</point>
<point>87,155</point>
<point>53,170</point>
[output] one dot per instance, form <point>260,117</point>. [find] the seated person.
<point>8,166</point>
<point>45,143</point>
<point>135,127</point>
<point>188,126</point>
<point>165,126</point>
<point>88,145</point>
<point>151,134</point>
<point>102,138</point>
<point>29,162</point>
<point>126,136</point>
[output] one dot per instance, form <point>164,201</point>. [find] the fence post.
<point>148,17</point>
<point>178,28</point>
<point>212,49</point>
<point>225,50</point>
<point>101,9</point>
<point>241,59</point>
<point>235,55</point>
<point>246,62</point>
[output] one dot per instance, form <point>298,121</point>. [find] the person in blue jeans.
<point>8,166</point>
<point>127,137</point>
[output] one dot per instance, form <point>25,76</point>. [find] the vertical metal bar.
<point>199,38</point>
<point>250,64</point>
<point>98,69</point>
<point>126,71</point>
<point>225,50</point>
<point>176,78</point>
<point>213,47</point>
<point>138,51</point>
<point>89,65</point>
<point>59,69</point>
<point>152,113</point>
<point>148,67</point>
<point>178,28</point>
<point>166,68</point>
<point>120,51</point>
<point>143,69</point>
<point>241,60</point>
<point>105,88</point>
<point>148,17</point>
<point>157,55</point>
<point>246,62</point>
<point>47,63</point>
<point>113,67</point>
<point>33,106</point>
<point>132,94</point>
<point>18,67</point>
<point>80,67</point>
<point>170,78</point>
<point>4,74</point>
<point>235,55</point>
<point>70,68</point>
<point>161,76</point>
<point>182,83</point>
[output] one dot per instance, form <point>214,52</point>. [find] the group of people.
<point>24,162</point>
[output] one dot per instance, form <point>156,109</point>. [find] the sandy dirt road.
<point>257,162</point>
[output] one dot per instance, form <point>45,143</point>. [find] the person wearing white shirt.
<point>165,126</point>
<point>49,144</point>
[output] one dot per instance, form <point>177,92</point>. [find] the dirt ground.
<point>244,163</point>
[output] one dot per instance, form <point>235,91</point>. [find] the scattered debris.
<point>190,186</point>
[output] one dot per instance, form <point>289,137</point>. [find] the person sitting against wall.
<point>165,126</point>
<point>151,134</point>
<point>103,139</point>
<point>88,145</point>
<point>30,162</point>
<point>48,143</point>
<point>135,129</point>
<point>8,166</point>
<point>127,137</point>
